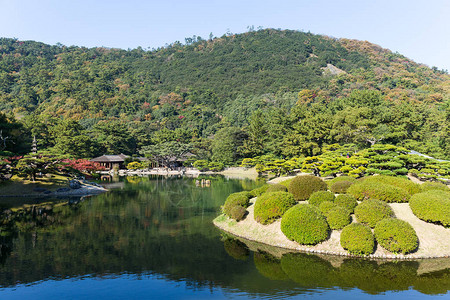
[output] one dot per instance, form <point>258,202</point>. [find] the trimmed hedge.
<point>357,239</point>
<point>238,212</point>
<point>271,206</point>
<point>320,196</point>
<point>304,224</point>
<point>276,188</point>
<point>286,182</point>
<point>340,179</point>
<point>340,187</point>
<point>347,201</point>
<point>236,199</point>
<point>427,186</point>
<point>396,235</point>
<point>372,190</point>
<point>370,211</point>
<point>338,217</point>
<point>258,191</point>
<point>303,186</point>
<point>432,206</point>
<point>325,206</point>
<point>403,183</point>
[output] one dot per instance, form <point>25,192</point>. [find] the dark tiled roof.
<point>110,158</point>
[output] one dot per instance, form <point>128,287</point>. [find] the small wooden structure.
<point>111,161</point>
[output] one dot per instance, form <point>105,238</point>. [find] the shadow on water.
<point>163,226</point>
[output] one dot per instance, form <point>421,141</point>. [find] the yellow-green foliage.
<point>340,187</point>
<point>276,188</point>
<point>403,183</point>
<point>338,217</point>
<point>286,182</point>
<point>388,193</point>
<point>238,212</point>
<point>427,186</point>
<point>432,206</point>
<point>318,197</point>
<point>272,205</point>
<point>370,211</point>
<point>325,206</point>
<point>357,239</point>
<point>258,191</point>
<point>303,186</point>
<point>305,224</point>
<point>135,165</point>
<point>347,201</point>
<point>339,179</point>
<point>396,235</point>
<point>236,199</point>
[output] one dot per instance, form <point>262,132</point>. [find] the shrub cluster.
<point>396,235</point>
<point>403,183</point>
<point>325,206</point>
<point>276,188</point>
<point>366,190</point>
<point>432,206</point>
<point>357,239</point>
<point>338,217</point>
<point>427,186</point>
<point>303,186</point>
<point>340,179</point>
<point>233,200</point>
<point>320,196</point>
<point>258,191</point>
<point>340,187</point>
<point>304,224</point>
<point>272,205</point>
<point>238,212</point>
<point>347,201</point>
<point>370,211</point>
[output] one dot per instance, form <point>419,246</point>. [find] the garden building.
<point>111,161</point>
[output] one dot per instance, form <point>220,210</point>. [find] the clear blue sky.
<point>418,29</point>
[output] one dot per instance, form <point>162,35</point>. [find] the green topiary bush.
<point>370,211</point>
<point>305,224</point>
<point>236,199</point>
<point>338,217</point>
<point>271,206</point>
<point>303,186</point>
<point>346,200</point>
<point>320,196</point>
<point>357,239</point>
<point>340,187</point>
<point>410,187</point>
<point>427,186</point>
<point>365,190</point>
<point>396,235</point>
<point>276,188</point>
<point>238,212</point>
<point>258,191</point>
<point>326,206</point>
<point>432,206</point>
<point>286,182</point>
<point>340,179</point>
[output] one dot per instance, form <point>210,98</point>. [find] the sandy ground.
<point>434,240</point>
<point>240,173</point>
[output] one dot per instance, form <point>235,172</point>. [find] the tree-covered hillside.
<point>286,93</point>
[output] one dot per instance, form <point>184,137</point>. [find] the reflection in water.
<point>156,226</point>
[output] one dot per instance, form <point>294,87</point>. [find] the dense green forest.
<point>284,93</point>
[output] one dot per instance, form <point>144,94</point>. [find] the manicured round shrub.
<point>340,187</point>
<point>271,206</point>
<point>396,235</point>
<point>347,201</point>
<point>338,217</point>
<point>258,191</point>
<point>276,188</point>
<point>432,206</point>
<point>304,224</point>
<point>357,239</point>
<point>427,186</point>
<point>370,211</point>
<point>340,179</point>
<point>238,212</point>
<point>365,190</point>
<point>403,183</point>
<point>303,186</point>
<point>326,206</point>
<point>236,199</point>
<point>286,182</point>
<point>320,196</point>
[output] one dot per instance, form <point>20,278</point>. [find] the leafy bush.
<point>276,188</point>
<point>432,206</point>
<point>340,187</point>
<point>370,211</point>
<point>320,196</point>
<point>403,183</point>
<point>201,165</point>
<point>326,206</point>
<point>272,205</point>
<point>338,217</point>
<point>365,190</point>
<point>357,239</point>
<point>303,186</point>
<point>304,224</point>
<point>215,166</point>
<point>341,179</point>
<point>396,235</point>
<point>238,212</point>
<point>347,201</point>
<point>236,199</point>
<point>286,182</point>
<point>427,186</point>
<point>258,191</point>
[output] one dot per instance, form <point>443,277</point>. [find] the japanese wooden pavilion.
<point>111,161</point>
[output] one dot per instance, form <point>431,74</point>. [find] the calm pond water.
<point>153,238</point>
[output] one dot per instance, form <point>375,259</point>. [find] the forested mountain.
<point>286,93</point>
